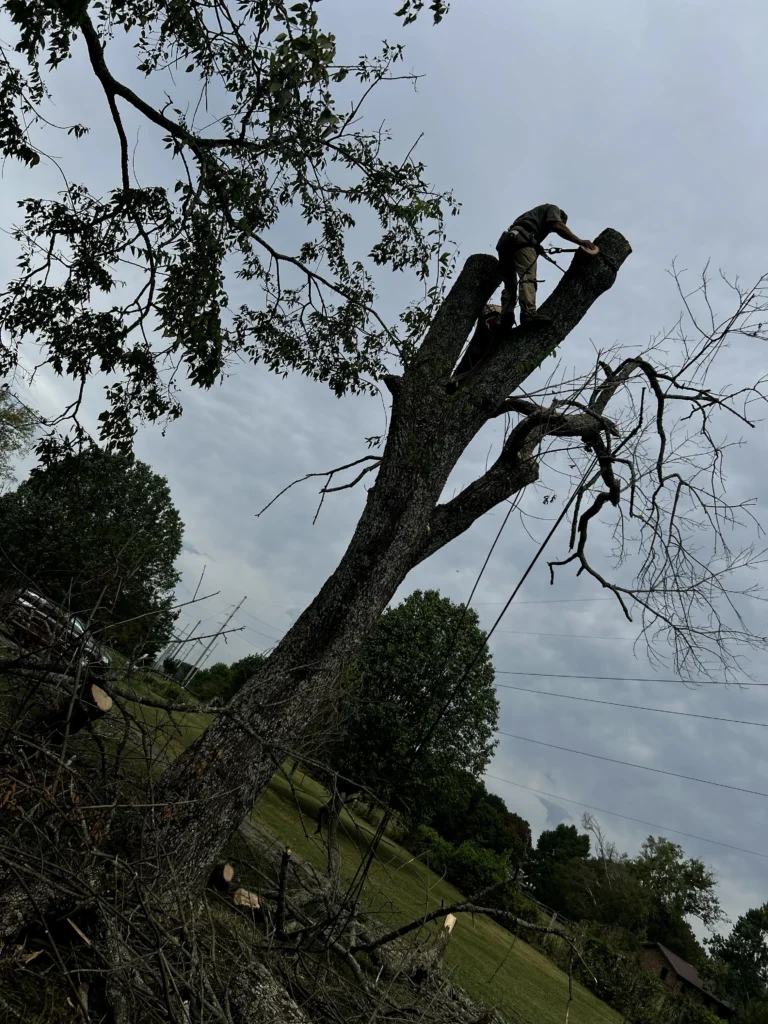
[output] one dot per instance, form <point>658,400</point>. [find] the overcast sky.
<point>649,117</point>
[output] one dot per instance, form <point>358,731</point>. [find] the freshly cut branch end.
<point>101,699</point>
<point>246,898</point>
<point>222,876</point>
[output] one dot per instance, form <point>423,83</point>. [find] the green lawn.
<point>489,963</point>
<point>495,968</point>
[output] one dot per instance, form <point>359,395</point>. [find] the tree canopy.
<point>740,962</point>
<point>420,710</point>
<point>182,271</point>
<point>221,682</point>
<point>683,886</point>
<point>98,532</point>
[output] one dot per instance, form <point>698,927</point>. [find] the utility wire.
<point>575,636</point>
<point>554,600</point>
<point>489,633</point>
<point>636,707</point>
<point>624,679</point>
<point>631,764</point>
<point>253,629</point>
<point>638,821</point>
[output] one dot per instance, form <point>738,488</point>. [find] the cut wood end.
<point>245,898</point>
<point>101,698</point>
<point>449,922</point>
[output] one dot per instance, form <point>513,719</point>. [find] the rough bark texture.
<point>257,997</point>
<point>214,783</point>
<point>208,790</point>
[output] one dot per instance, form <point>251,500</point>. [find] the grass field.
<point>493,966</point>
<point>496,968</point>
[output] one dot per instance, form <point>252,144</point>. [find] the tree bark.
<point>208,791</point>
<point>257,997</point>
<point>211,787</point>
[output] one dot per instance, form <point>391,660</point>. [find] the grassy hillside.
<point>492,965</point>
<point>496,968</point>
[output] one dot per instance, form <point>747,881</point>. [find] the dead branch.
<point>329,473</point>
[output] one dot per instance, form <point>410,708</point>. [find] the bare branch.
<point>329,473</point>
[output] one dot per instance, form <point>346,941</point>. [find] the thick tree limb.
<point>515,469</point>
<point>581,285</point>
<point>479,278</point>
<point>257,997</point>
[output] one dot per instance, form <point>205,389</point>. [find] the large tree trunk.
<point>213,785</point>
<point>202,798</point>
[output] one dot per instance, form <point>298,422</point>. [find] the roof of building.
<point>685,970</point>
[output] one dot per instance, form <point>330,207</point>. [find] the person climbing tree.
<point>518,249</point>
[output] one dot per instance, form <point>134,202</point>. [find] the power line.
<point>624,679</point>
<point>575,636</point>
<point>636,707</point>
<point>553,600</point>
<point>631,764</point>
<point>521,581</point>
<point>277,629</point>
<point>253,629</point>
<point>638,821</point>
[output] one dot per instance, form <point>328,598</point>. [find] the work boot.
<point>535,320</point>
<point>506,325</point>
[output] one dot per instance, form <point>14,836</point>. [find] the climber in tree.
<point>518,249</point>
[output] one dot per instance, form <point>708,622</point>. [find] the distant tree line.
<point>413,729</point>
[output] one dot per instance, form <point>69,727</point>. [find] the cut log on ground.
<point>222,877</point>
<point>246,898</point>
<point>70,705</point>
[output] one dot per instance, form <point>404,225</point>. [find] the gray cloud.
<point>647,117</point>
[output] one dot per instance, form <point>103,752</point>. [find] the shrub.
<point>690,1011</point>
<point>509,898</point>
<point>436,851</point>
<point>474,867</point>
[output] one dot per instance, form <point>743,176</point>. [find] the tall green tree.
<point>415,722</point>
<point>98,532</point>
<point>555,850</point>
<point>740,962</point>
<point>491,824</point>
<point>182,270</point>
<point>682,886</point>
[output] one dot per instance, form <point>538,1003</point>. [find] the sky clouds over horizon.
<point>647,117</point>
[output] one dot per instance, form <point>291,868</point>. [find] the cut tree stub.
<point>101,698</point>
<point>222,876</point>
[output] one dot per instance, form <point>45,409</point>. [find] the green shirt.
<point>536,224</point>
